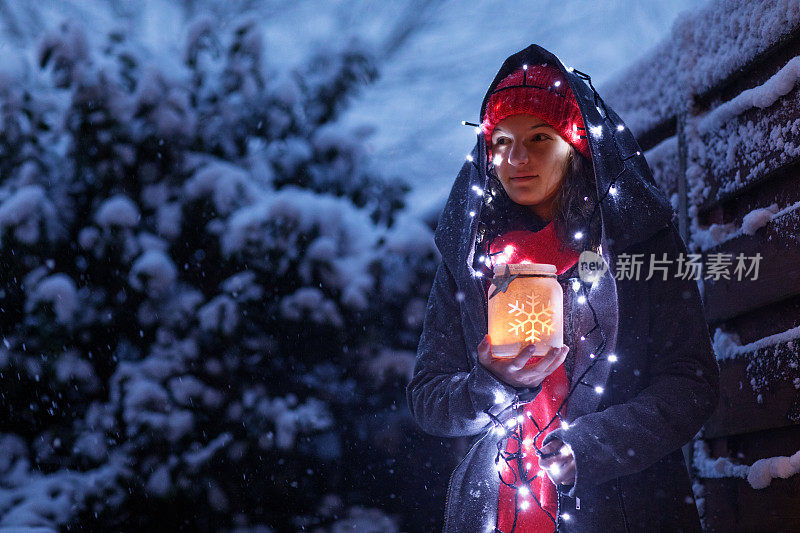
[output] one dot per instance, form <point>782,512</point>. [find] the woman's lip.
<point>525,177</point>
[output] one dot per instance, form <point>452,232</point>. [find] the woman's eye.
<point>539,137</point>
<point>501,140</point>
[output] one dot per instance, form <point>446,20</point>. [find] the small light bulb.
<point>509,249</point>
<point>528,466</point>
<point>469,158</point>
<point>581,300</point>
<point>613,190</point>
<point>612,358</point>
<point>520,419</point>
<point>478,129</point>
<point>576,285</point>
<point>497,160</point>
<point>620,127</point>
<point>482,258</point>
<point>472,213</point>
<point>597,131</point>
<point>478,274</point>
<point>565,516</point>
<point>583,338</point>
<point>578,235</point>
<point>525,491</point>
<point>598,389</point>
<point>525,67</point>
<point>557,84</point>
<point>498,397</point>
<point>564,424</point>
<point>565,450</point>
<point>638,153</point>
<point>555,469</point>
<point>524,505</point>
<point>591,356</point>
<point>570,69</point>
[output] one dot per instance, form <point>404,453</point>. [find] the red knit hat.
<point>542,91</point>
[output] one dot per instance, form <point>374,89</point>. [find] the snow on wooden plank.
<point>760,474</point>
<point>705,52</point>
<point>718,232</point>
<point>758,390</point>
<point>762,323</point>
<point>760,96</point>
<point>724,37</point>
<point>779,269</point>
<point>726,157</point>
<point>743,501</point>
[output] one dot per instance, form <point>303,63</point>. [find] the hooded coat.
<point>630,471</point>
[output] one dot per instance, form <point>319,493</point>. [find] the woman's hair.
<point>574,204</point>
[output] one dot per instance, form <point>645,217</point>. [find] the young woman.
<point>587,437</point>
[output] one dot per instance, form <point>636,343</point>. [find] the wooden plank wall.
<point>759,411</point>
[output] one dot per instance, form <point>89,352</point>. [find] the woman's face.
<point>530,159</point>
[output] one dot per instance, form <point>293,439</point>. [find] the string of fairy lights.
<point>508,423</point>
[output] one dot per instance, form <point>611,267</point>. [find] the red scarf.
<point>537,247</point>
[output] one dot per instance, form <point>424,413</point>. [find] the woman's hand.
<point>557,460</point>
<point>512,370</point>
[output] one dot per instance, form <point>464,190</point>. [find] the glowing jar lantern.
<point>529,311</point>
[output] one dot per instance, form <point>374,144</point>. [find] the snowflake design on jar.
<point>533,318</point>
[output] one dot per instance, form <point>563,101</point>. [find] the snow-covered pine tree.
<point>208,304</point>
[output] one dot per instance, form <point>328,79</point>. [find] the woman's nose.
<point>518,155</point>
